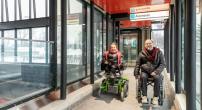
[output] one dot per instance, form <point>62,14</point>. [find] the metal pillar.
<point>171,41</point>
<point>107,30</point>
<point>178,47</point>
<point>53,37</point>
<point>190,53</point>
<point>92,42</point>
<point>63,49</point>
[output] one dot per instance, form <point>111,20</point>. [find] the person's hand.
<point>153,74</point>
<point>137,76</point>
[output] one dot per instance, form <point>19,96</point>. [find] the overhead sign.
<point>149,8</point>
<point>149,16</point>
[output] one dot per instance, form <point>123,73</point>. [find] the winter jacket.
<point>147,66</point>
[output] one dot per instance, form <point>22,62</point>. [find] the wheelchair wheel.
<point>100,93</point>
<point>126,89</point>
<point>124,93</point>
<point>162,94</point>
<point>138,91</point>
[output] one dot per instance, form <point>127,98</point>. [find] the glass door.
<point>128,47</point>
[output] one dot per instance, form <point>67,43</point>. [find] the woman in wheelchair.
<point>112,60</point>
<point>151,63</point>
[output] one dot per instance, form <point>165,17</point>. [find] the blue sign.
<point>132,16</point>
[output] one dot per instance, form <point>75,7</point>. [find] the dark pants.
<point>157,82</point>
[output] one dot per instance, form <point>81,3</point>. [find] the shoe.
<point>155,100</point>
<point>144,99</point>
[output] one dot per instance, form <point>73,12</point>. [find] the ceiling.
<point>123,6</point>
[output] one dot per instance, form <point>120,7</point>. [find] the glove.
<point>153,74</point>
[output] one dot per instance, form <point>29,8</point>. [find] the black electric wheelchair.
<point>114,82</point>
<point>150,81</point>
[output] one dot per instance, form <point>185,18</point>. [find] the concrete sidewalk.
<point>112,102</point>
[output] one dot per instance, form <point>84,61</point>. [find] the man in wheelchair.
<point>151,63</point>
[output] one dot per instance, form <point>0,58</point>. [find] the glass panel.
<point>0,12</point>
<point>76,41</point>
<point>97,41</point>
<point>9,34</point>
<point>88,40</point>
<point>40,8</point>
<point>17,10</point>
<point>47,8</point>
<point>38,52</point>
<point>4,11</point>
<point>23,80</point>
<point>128,47</point>
<point>23,51</point>
<point>110,32</point>
<point>32,8</point>
<point>11,10</point>
<point>39,33</point>
<point>9,55</point>
<point>25,9</point>
<point>104,34</point>
<point>23,33</point>
<point>158,37</point>
<point>75,6</point>
<point>0,49</point>
<point>198,58</point>
<point>9,51</point>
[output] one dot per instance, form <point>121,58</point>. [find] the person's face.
<point>113,48</point>
<point>149,45</point>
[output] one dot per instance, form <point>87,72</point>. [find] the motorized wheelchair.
<point>150,81</point>
<point>114,82</point>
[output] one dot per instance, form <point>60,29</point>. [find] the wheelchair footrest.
<point>113,89</point>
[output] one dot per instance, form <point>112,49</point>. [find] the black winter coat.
<point>147,66</point>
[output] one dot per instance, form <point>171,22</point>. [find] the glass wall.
<point>198,58</point>
<point>76,41</point>
<point>25,50</point>
<point>97,40</point>
<point>26,57</point>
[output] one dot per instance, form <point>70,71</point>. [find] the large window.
<point>39,46</point>
<point>29,62</point>
<point>9,55</point>
<point>76,41</point>
<point>97,40</point>
<point>23,45</point>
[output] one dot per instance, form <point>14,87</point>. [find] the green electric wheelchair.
<point>114,82</point>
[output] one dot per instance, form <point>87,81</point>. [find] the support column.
<point>190,53</point>
<point>178,47</point>
<point>63,49</point>
<point>92,42</point>
<point>171,41</point>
